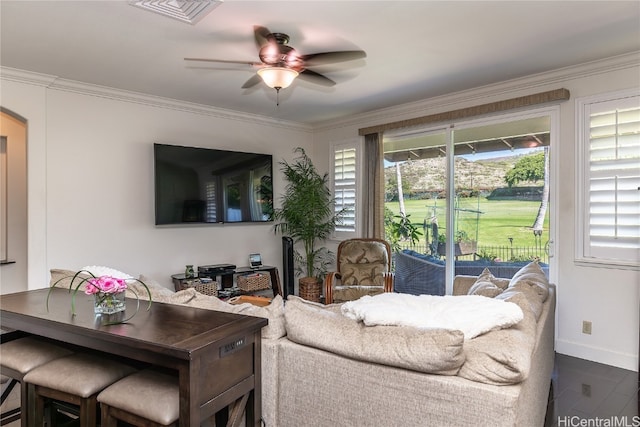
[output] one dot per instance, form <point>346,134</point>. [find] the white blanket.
<point>472,314</point>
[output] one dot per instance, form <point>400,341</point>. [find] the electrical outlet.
<point>586,327</point>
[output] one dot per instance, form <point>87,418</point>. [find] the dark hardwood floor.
<point>585,391</point>
<point>588,391</point>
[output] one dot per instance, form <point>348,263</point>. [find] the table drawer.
<point>227,366</point>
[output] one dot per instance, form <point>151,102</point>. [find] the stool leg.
<point>24,404</point>
<point>88,411</point>
<point>36,404</point>
<point>106,420</point>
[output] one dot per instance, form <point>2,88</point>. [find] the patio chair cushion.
<point>363,263</point>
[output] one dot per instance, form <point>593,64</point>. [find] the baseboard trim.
<point>596,354</point>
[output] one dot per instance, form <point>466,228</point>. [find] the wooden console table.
<point>227,278</point>
<point>217,356</point>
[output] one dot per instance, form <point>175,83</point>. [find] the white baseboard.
<point>597,354</point>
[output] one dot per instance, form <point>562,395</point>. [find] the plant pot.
<point>310,289</point>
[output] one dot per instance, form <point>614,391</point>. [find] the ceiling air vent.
<point>190,11</point>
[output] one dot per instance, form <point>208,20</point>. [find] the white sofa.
<point>320,368</point>
<point>317,387</point>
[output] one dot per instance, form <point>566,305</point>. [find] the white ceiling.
<point>415,49</point>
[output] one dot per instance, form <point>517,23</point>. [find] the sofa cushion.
<point>436,351</point>
<point>158,292</point>
<point>533,275</point>
<point>273,312</point>
<point>61,278</point>
<point>486,285</point>
<point>503,356</point>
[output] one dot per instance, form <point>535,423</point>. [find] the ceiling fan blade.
<point>322,58</point>
<point>252,81</point>
<point>226,61</point>
<point>261,35</point>
<point>317,78</point>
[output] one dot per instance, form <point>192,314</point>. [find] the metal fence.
<point>494,252</point>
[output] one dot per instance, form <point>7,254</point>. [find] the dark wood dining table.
<point>216,355</point>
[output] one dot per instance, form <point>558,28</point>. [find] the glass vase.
<point>104,303</point>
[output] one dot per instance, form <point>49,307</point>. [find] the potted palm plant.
<point>307,215</point>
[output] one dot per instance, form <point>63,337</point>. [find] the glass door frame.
<point>553,112</point>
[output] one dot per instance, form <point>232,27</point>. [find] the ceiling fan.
<point>280,64</point>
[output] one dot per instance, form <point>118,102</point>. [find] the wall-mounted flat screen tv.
<point>203,185</point>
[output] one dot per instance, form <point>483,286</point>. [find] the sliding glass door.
<point>473,195</point>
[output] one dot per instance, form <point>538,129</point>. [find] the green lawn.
<point>499,220</point>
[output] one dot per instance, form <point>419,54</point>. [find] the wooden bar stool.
<point>20,356</point>
<point>75,380</point>
<point>146,398</point>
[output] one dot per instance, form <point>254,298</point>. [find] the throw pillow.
<point>485,285</point>
<point>100,270</point>
<point>528,299</point>
<point>534,276</point>
<point>424,350</point>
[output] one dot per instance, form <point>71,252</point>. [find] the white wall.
<point>93,179</point>
<point>607,297</point>
<point>79,214</point>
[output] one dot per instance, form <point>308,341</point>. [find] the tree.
<point>533,168</point>
<point>542,211</point>
<point>307,213</point>
<point>400,193</point>
<point>391,187</point>
<point>527,168</point>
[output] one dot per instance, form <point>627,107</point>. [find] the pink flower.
<point>105,284</point>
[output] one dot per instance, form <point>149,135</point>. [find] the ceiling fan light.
<point>277,77</point>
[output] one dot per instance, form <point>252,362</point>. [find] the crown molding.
<point>483,94</point>
<point>57,83</point>
<point>28,77</point>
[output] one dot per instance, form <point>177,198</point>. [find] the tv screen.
<point>203,185</point>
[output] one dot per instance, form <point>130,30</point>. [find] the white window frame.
<point>586,254</point>
<point>351,144</point>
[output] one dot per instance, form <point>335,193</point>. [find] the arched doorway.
<point>13,202</point>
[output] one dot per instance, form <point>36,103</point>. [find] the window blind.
<point>344,186</point>
<point>613,176</point>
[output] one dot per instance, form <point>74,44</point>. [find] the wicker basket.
<point>208,288</point>
<point>254,282</point>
